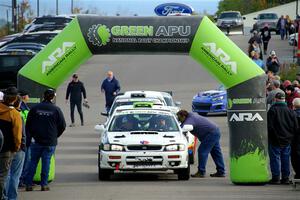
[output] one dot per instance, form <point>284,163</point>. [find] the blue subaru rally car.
<point>211,101</point>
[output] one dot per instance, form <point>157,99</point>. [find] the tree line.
<point>248,6</point>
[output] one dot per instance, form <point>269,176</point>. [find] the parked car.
<point>47,23</point>
<point>230,21</point>
<point>11,61</point>
<point>17,52</point>
<point>143,137</point>
<point>211,101</point>
<point>269,19</point>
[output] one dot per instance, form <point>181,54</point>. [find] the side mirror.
<point>244,18</point>
<point>187,128</point>
<point>255,18</point>
<point>99,128</point>
<point>104,114</point>
<point>177,103</point>
<point>215,18</point>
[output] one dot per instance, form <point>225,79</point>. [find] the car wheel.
<point>202,113</point>
<point>104,174</point>
<point>184,174</point>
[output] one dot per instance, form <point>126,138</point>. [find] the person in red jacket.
<point>291,94</point>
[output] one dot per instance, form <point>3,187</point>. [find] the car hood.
<point>228,19</point>
<point>144,138</point>
<point>210,93</point>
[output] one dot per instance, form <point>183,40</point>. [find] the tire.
<point>104,174</point>
<point>202,113</point>
<point>191,159</point>
<point>184,174</point>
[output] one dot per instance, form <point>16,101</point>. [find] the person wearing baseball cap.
<point>273,63</point>
<point>45,123</point>
<point>282,126</point>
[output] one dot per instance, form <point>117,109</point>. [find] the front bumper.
<point>208,107</point>
<point>144,160</point>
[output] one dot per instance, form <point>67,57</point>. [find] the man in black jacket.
<point>45,123</point>
<point>282,126</point>
<point>75,90</point>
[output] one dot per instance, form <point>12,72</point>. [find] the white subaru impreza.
<point>143,137</point>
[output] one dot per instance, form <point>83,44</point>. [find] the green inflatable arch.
<point>196,36</point>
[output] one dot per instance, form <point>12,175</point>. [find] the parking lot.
<point>76,155</point>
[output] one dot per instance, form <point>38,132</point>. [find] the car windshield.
<point>229,15</point>
<point>268,16</point>
<point>52,20</point>
<point>131,102</point>
<point>169,101</point>
<point>35,38</point>
<point>143,122</point>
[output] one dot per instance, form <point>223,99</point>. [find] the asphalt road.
<point>76,155</point>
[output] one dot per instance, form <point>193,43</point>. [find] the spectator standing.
<point>11,127</point>
<point>282,126</point>
<point>254,46</point>
<point>275,88</point>
<point>45,123</point>
<point>208,133</point>
<point>110,87</point>
<point>288,26</point>
<point>24,109</point>
<point>296,86</point>
<point>15,171</point>
<point>273,63</point>
<point>257,60</point>
<point>281,26</point>
<point>295,155</point>
<point>291,94</point>
<point>75,90</point>
<point>266,36</point>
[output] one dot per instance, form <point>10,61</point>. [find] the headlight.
<point>175,147</point>
<point>218,98</point>
<point>112,147</point>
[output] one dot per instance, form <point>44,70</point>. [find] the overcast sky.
<point>111,7</point>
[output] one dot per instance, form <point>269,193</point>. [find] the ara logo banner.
<point>101,35</point>
<point>222,55</point>
<point>249,117</point>
<point>57,57</point>
<point>172,8</point>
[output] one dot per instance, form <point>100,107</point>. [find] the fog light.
<point>172,163</point>
<point>114,157</point>
<point>173,156</point>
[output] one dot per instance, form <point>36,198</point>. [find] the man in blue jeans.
<point>45,123</point>
<point>282,126</point>
<point>209,135</point>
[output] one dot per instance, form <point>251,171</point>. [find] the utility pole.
<point>7,23</point>
<point>56,7</point>
<point>14,14</point>
<point>37,8</point>
<point>72,6</point>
